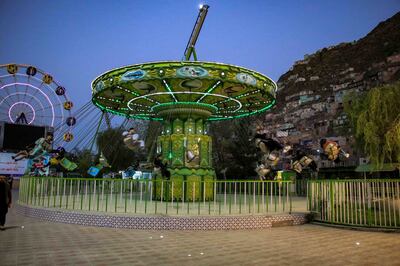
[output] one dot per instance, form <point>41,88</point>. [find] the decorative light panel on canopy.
<point>147,91</point>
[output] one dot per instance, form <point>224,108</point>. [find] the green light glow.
<point>215,118</point>
<point>243,115</point>
<point>183,104</point>
<point>169,89</point>
<point>138,116</point>
<point>209,90</point>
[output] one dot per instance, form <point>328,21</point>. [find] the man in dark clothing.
<point>161,167</point>
<point>5,200</point>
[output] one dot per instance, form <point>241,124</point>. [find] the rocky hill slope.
<point>310,95</point>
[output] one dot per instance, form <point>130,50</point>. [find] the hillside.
<point>310,95</point>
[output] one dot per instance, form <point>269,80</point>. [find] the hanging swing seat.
<point>67,164</point>
<point>132,142</point>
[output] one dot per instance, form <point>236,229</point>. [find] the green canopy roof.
<point>386,167</point>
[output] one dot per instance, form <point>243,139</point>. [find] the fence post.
<point>290,201</point>
<point>331,198</point>
<point>368,222</point>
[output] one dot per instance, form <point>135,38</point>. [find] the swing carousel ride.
<point>184,96</point>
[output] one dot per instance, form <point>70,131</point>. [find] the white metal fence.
<point>374,203</point>
<point>158,197</point>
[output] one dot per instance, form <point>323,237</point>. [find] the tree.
<point>375,117</point>
<point>153,131</point>
<point>84,160</point>
<point>110,143</point>
<point>232,149</point>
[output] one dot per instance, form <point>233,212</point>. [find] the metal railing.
<point>301,187</point>
<point>158,196</point>
<point>370,203</point>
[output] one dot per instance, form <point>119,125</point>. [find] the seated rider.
<point>301,160</point>
<point>24,153</point>
<point>264,143</point>
<point>42,145</point>
<point>262,170</point>
<point>161,167</point>
<point>39,166</point>
<point>131,139</point>
<point>332,150</point>
<point>57,155</point>
<point>267,145</point>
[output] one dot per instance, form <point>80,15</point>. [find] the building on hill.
<point>310,95</point>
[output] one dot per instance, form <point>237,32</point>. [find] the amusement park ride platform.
<point>184,96</point>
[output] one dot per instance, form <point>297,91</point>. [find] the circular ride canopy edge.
<point>152,90</point>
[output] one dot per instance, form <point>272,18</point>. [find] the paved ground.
<point>30,241</point>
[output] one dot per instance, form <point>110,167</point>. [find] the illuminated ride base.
<point>184,96</point>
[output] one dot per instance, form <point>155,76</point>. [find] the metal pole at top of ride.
<point>195,33</point>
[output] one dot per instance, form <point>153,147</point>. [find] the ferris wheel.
<point>31,96</point>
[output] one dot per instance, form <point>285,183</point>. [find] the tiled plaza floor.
<point>29,241</point>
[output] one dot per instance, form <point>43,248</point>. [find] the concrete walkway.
<point>29,241</point>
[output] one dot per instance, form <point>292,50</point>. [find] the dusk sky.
<point>76,41</point>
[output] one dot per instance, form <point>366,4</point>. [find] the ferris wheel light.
<point>23,103</point>
<point>33,98</point>
<point>38,89</point>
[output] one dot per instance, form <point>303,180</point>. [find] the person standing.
<point>5,200</point>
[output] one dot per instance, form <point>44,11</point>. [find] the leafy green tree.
<point>375,117</point>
